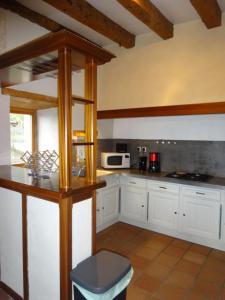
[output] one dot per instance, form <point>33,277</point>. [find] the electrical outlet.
<point>139,149</point>
<point>144,149</point>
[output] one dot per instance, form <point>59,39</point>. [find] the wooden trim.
<point>85,13</point>
<point>82,100</point>
<point>209,11</point>
<point>25,248</point>
<point>65,117</point>
<point>65,210</point>
<point>172,110</point>
<point>83,144</point>
<point>51,42</point>
<point>9,291</point>
<point>150,15</point>
<point>29,95</point>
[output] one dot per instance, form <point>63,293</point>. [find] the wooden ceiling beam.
<point>209,11</point>
<point>88,15</point>
<point>150,15</point>
<point>30,15</point>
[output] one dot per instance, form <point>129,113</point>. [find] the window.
<point>22,137</point>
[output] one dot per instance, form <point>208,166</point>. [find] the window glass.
<point>21,136</point>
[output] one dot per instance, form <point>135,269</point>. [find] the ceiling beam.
<point>88,15</point>
<point>150,15</point>
<point>209,11</point>
<point>30,15</point>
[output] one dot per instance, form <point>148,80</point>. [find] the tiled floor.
<point>166,268</point>
<point>4,296</point>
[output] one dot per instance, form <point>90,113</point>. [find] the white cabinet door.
<point>110,204</point>
<point>134,203</point>
<point>200,216</point>
<point>163,209</point>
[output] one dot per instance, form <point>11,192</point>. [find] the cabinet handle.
<point>119,200</point>
<point>142,206</point>
<point>184,215</point>
<point>103,207</point>
<point>98,210</point>
<point>147,206</point>
<point>133,182</point>
<point>163,187</point>
<point>199,193</point>
<point>175,212</point>
<point>220,223</point>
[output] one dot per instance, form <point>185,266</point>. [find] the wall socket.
<point>139,149</point>
<point>144,149</point>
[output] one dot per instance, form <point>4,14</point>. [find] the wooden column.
<point>65,117</point>
<point>65,207</point>
<point>91,117</point>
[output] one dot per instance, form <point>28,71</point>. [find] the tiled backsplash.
<point>192,156</point>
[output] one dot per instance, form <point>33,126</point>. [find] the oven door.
<point>115,161</point>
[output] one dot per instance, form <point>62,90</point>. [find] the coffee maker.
<point>154,162</point>
<point>142,163</point>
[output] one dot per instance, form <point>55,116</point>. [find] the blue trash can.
<point>105,275</point>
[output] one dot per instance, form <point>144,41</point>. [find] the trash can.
<point>104,276</point>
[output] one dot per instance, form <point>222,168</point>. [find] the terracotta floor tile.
<point>174,251</point>
<point>195,296</point>
<point>209,274</point>
<point>135,293</point>
<point>4,296</point>
<point>137,273</point>
<point>217,254</point>
<point>209,289</point>
<point>167,260</point>
<point>171,292</point>
<point>194,257</point>
<point>215,264</point>
<point>181,243</point>
<point>200,249</point>
<point>147,283</point>
<point>146,234</point>
<point>147,253</point>
<point>157,270</point>
<point>156,244</point>
<point>139,262</point>
<point>181,279</point>
<point>163,238</point>
<point>223,293</point>
<point>188,267</point>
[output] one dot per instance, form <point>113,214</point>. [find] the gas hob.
<point>189,176</point>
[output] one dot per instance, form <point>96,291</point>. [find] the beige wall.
<point>189,68</point>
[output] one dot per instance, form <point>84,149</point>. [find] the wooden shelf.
<point>83,144</point>
<point>78,99</point>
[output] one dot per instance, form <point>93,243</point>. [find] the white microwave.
<point>114,160</point>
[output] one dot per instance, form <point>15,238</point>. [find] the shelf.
<point>83,144</point>
<point>78,99</point>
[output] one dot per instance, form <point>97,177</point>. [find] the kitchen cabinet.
<point>201,212</point>
<point>134,199</point>
<point>163,204</point>
<point>107,203</point>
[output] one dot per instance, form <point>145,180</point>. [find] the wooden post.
<point>65,117</point>
<point>65,212</point>
<point>91,118</point>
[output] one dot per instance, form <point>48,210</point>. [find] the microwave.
<point>114,160</point>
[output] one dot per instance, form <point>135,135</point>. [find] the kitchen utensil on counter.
<point>142,163</point>
<point>154,162</point>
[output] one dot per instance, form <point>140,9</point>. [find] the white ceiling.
<point>177,11</point>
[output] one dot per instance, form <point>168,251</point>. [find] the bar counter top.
<point>17,179</point>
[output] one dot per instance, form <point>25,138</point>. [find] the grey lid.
<point>100,272</point>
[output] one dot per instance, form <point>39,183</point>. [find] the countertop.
<point>17,179</point>
<point>214,182</point>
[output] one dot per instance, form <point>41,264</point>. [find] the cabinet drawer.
<point>201,193</point>
<point>136,182</point>
<point>163,186</point>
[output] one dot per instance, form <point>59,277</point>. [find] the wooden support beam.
<point>150,15</point>
<point>209,11</point>
<point>88,15</point>
<point>29,95</point>
<point>30,15</point>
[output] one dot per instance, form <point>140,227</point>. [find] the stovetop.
<point>189,176</point>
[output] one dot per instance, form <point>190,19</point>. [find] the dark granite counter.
<point>214,182</point>
<point>17,179</point>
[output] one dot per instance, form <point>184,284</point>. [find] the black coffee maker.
<point>142,163</point>
<point>154,162</point>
